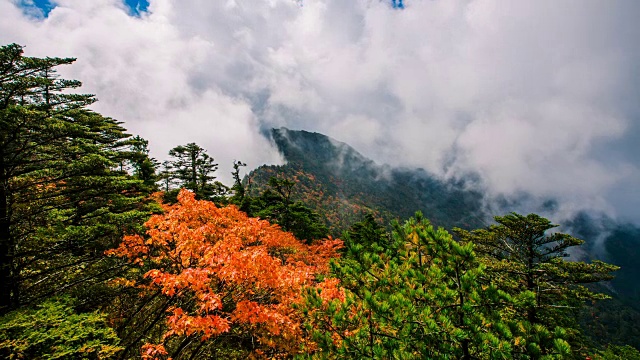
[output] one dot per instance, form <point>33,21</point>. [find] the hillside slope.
<point>340,184</point>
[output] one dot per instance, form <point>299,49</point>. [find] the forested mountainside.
<point>341,185</point>
<point>617,319</point>
<point>616,243</point>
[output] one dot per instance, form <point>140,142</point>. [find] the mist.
<point>537,98</point>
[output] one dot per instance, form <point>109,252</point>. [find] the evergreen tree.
<point>240,197</point>
<point>368,234</point>
<point>276,205</point>
<point>166,181</point>
<point>144,167</point>
<point>54,330</point>
<point>64,198</point>
<point>414,295</point>
<point>526,260</point>
<point>192,168</point>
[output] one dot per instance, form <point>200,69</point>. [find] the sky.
<point>538,97</point>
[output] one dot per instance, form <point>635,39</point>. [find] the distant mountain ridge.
<point>341,184</point>
<point>352,177</point>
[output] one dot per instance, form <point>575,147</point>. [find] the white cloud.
<point>528,95</point>
<point>143,72</point>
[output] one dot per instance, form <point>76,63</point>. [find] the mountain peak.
<point>345,173</point>
<point>313,150</point>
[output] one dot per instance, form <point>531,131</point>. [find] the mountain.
<point>340,184</point>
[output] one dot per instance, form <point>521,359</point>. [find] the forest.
<point>105,253</point>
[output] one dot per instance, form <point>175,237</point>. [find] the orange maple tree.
<point>225,272</point>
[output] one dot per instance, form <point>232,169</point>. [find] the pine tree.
<point>166,181</point>
<point>190,167</point>
<point>63,196</point>
<point>54,330</point>
<point>526,260</point>
<point>144,167</point>
<point>277,205</point>
<point>413,295</point>
<point>240,197</point>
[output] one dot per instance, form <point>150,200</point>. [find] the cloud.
<point>538,97</point>
<point>144,72</point>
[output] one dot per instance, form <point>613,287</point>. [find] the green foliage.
<point>366,236</point>
<point>192,168</point>
<point>413,295</point>
<point>54,330</point>
<point>240,196</point>
<point>276,205</point>
<point>144,167</point>
<point>420,294</point>
<point>614,352</point>
<point>65,195</point>
<point>527,262</point>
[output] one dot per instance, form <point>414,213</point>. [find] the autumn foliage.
<point>226,273</point>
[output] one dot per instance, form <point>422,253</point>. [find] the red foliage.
<point>235,272</point>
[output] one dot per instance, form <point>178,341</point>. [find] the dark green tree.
<point>64,198</point>
<point>414,295</point>
<point>54,330</point>
<point>527,260</point>
<point>616,352</point>
<point>240,197</point>
<point>144,167</point>
<point>166,181</point>
<point>277,205</point>
<point>367,236</point>
<point>192,168</point>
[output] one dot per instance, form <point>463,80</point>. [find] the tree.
<point>63,196</point>
<point>192,168</point>
<point>414,295</point>
<point>367,236</point>
<point>527,262</point>
<point>229,282</point>
<point>276,205</point>
<point>54,330</point>
<point>616,352</point>
<point>240,196</point>
<point>165,177</point>
<point>144,167</point>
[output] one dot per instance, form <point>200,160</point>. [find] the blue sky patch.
<point>137,6</point>
<point>37,8</point>
<point>397,4</point>
<point>42,8</point>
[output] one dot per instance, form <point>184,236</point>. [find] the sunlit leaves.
<point>412,295</point>
<point>226,272</point>
<point>525,259</point>
<point>54,330</point>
